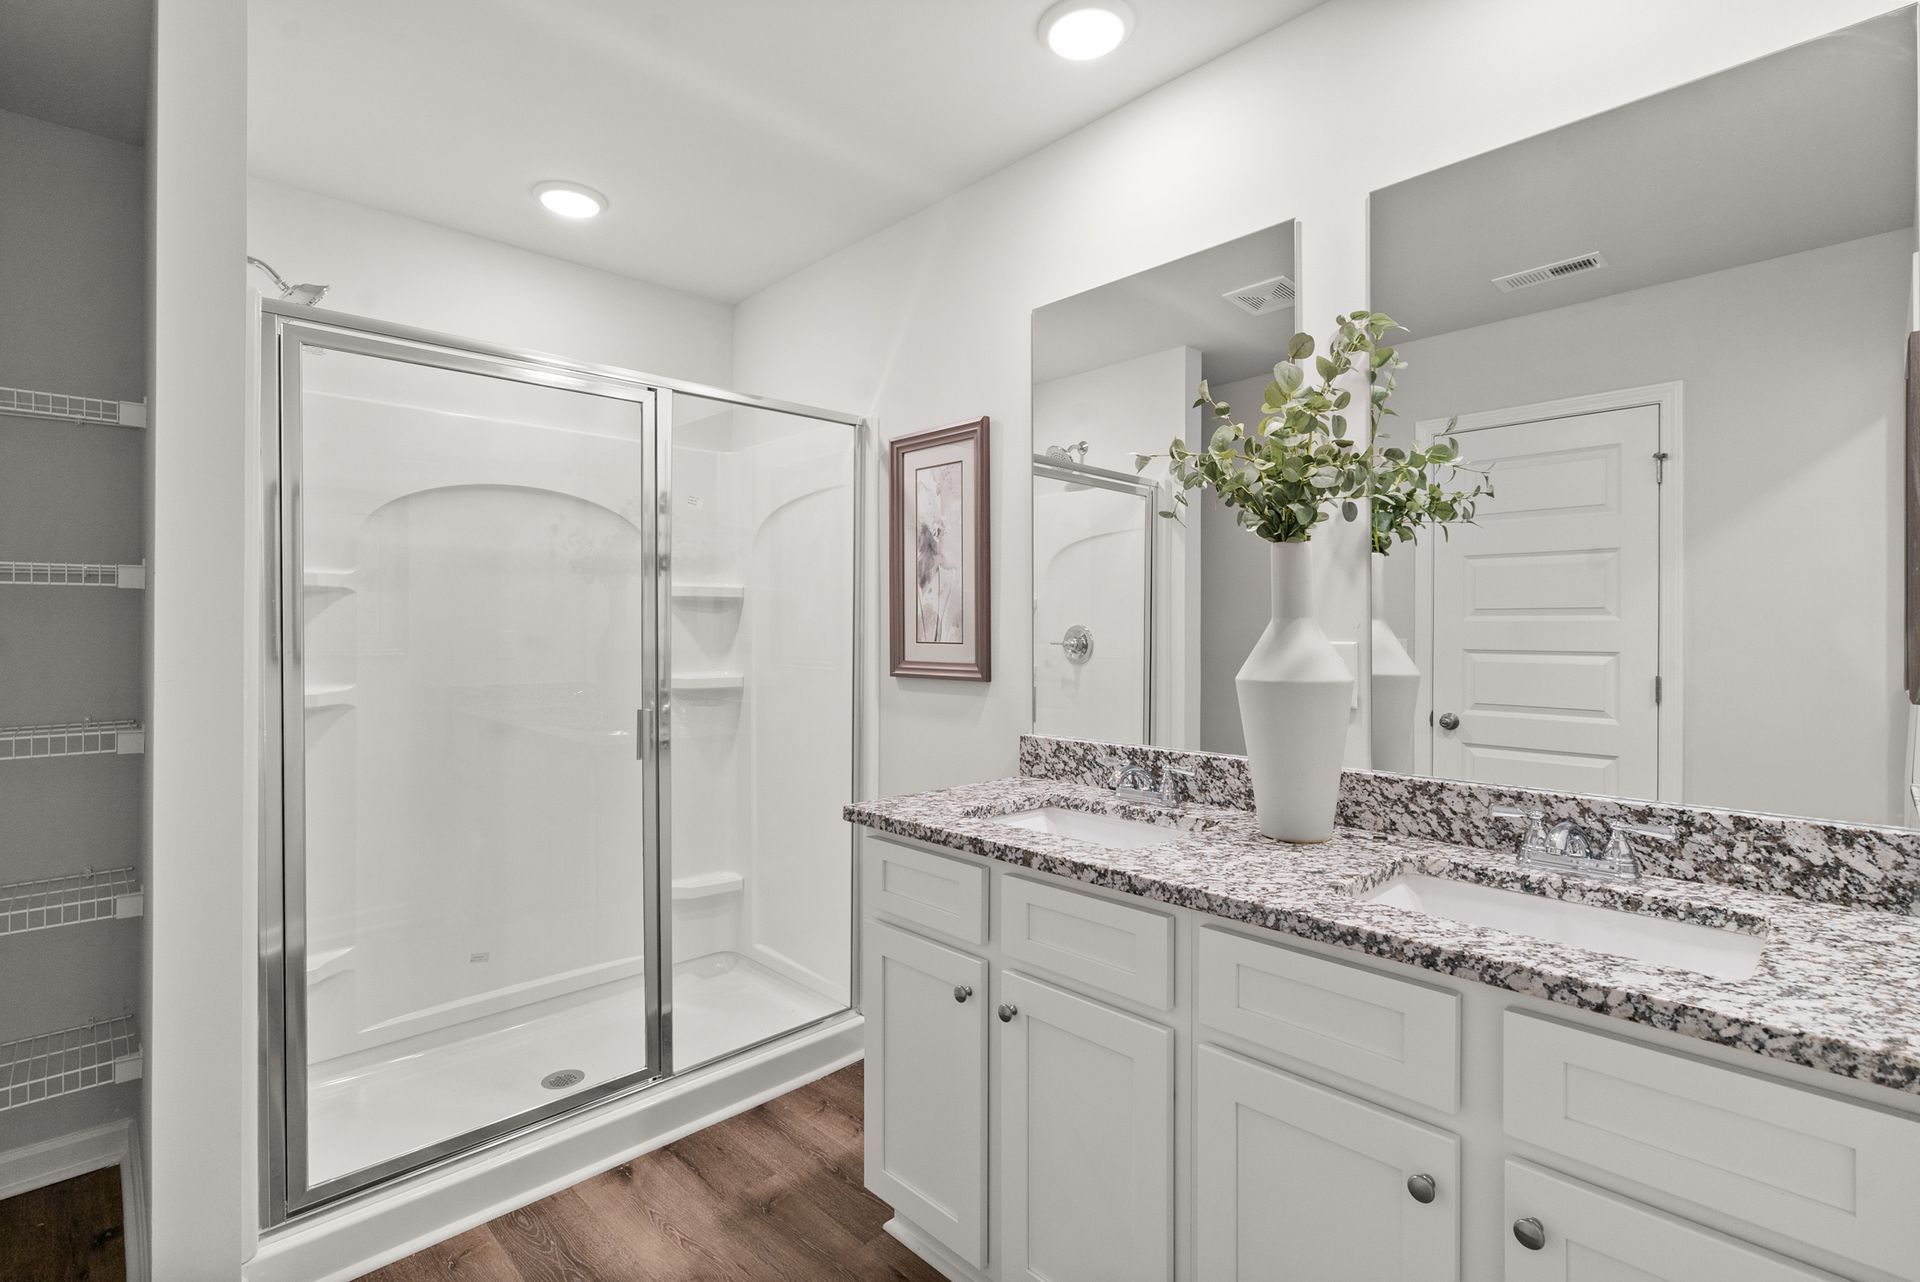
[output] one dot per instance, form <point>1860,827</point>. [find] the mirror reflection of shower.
<point>1094,550</point>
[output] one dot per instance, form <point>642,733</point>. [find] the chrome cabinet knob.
<point>962,991</point>
<point>1448,721</point>
<point>1530,1233</point>
<point>1421,1188</point>
<point>1007,1012</point>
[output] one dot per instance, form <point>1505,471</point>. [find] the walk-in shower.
<point>561,669</point>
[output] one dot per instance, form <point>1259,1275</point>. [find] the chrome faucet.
<point>1135,782</point>
<point>1567,847</point>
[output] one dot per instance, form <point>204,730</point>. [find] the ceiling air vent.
<point>1551,271</point>
<point>1265,296</point>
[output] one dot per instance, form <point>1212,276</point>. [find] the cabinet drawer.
<point>1591,1234</point>
<point>1390,1033</point>
<point>1829,1172</point>
<point>935,891</point>
<point>1122,950</point>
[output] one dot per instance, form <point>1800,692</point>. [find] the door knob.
<point>1422,1188</point>
<point>1007,1012</point>
<point>1530,1233</point>
<point>1448,721</point>
<point>962,991</point>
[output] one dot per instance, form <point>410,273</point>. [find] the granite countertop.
<point>1837,989</point>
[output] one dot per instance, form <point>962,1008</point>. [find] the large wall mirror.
<point>1140,622</point>
<point>1676,335</point>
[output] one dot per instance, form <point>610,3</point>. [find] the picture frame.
<point>940,580</point>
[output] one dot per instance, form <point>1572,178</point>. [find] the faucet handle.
<point>1535,839</point>
<point>1113,763</point>
<point>1620,848</point>
<point>1176,783</point>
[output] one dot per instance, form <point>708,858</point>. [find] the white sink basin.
<point>1658,941</point>
<point>1097,830</point>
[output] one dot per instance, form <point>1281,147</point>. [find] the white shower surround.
<point>446,977</point>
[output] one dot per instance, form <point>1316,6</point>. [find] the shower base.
<point>458,1080</point>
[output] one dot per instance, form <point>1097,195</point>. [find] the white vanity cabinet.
<point>926,1079</point>
<point>1127,1091</point>
<point>1086,1138</point>
<point>1575,1233</point>
<point>1293,1180</point>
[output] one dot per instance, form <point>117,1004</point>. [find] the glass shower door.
<point>470,674</point>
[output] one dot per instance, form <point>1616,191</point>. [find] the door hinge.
<point>1657,691</point>
<point>1660,468</point>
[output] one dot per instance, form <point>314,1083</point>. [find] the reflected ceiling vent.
<point>1262,297</point>
<point>1551,271</point>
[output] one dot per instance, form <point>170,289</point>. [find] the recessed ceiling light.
<point>1082,30</point>
<point>570,200</point>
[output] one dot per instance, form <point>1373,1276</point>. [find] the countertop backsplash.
<point>1858,866</point>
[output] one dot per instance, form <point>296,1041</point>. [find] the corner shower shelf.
<point>707,885</point>
<point>112,895</point>
<point>328,580</point>
<point>73,1059</point>
<point>72,739</point>
<point>72,574</point>
<point>719,592</point>
<point>322,698</point>
<point>21,403</point>
<point>709,682</point>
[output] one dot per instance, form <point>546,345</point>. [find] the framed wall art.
<point>939,600</point>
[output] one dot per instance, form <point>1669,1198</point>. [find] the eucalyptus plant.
<point>1281,477</point>
<point>1411,487</point>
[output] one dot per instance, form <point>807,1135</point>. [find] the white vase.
<point>1295,696</point>
<point>1396,685</point>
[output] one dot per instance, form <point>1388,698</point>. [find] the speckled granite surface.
<point>1829,863</point>
<point>1837,989</point>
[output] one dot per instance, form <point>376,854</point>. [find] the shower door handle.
<point>646,723</point>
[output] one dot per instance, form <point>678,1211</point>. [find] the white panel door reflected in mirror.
<point>1677,334</point>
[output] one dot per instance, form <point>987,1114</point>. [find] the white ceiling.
<point>78,63</point>
<point>1808,147</point>
<point>1176,304</point>
<point>738,140</point>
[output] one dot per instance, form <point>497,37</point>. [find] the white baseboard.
<point>945,1262</point>
<point>94,1149</point>
<point>355,1239</point>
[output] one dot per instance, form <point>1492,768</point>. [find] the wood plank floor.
<point>65,1232</point>
<point>774,1193</point>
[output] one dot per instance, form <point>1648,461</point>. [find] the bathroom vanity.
<point>1111,1040</point>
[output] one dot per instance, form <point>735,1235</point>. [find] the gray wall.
<point>1792,413</point>
<point>72,257</point>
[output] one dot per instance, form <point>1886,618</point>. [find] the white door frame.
<point>1665,397</point>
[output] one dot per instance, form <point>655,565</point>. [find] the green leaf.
<point>1140,461</point>
<point>1300,347</point>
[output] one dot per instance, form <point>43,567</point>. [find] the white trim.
<point>35,1166</point>
<point>391,1223</point>
<point>1666,398</point>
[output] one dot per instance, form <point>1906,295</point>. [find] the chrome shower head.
<point>305,295</point>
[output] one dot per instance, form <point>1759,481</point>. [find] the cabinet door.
<point>1086,1162</point>
<point>926,1008</point>
<point>1297,1183</point>
<point>1589,1236</point>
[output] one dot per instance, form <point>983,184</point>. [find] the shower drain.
<point>564,1078</point>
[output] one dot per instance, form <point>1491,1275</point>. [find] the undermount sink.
<point>1657,941</point>
<point>1097,830</point>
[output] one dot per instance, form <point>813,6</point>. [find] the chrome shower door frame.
<point>1102,478</point>
<point>285,1190</point>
